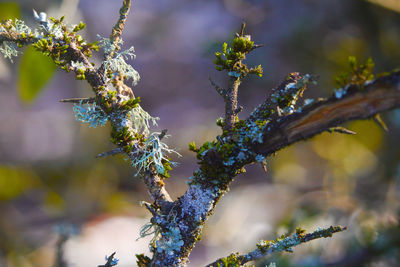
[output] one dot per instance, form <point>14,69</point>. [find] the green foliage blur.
<point>35,70</point>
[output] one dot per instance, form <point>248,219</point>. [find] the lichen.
<point>197,202</point>
<point>9,50</point>
<point>141,120</point>
<point>153,154</point>
<point>90,113</point>
<point>116,64</point>
<point>170,242</point>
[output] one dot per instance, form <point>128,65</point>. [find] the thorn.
<point>110,153</point>
<point>264,166</point>
<point>163,133</point>
<point>242,29</point>
<point>219,89</point>
<point>257,46</point>
<point>341,130</point>
<point>149,207</point>
<point>78,100</point>
<point>378,119</point>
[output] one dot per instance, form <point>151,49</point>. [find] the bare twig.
<point>163,133</point>
<point>231,103</point>
<point>110,153</point>
<point>78,100</point>
<point>341,130</point>
<point>221,91</point>
<point>110,261</point>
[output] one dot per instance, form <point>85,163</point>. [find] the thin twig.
<point>110,153</point>
<point>79,100</point>
<point>341,130</point>
<point>162,134</point>
<point>221,91</point>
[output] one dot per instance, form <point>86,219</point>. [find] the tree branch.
<point>379,95</point>
<point>251,142</point>
<point>120,25</point>
<point>231,103</point>
<point>265,248</point>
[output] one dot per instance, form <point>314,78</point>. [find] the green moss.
<point>192,147</point>
<point>121,137</point>
<point>221,122</point>
<point>231,58</point>
<point>79,27</point>
<point>142,260</point>
<point>357,75</point>
<point>167,167</point>
<point>130,103</point>
<point>233,260</point>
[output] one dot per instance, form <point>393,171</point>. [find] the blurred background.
<point>60,206</point>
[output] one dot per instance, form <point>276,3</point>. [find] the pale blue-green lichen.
<point>170,242</point>
<point>153,154</point>
<point>308,101</point>
<point>198,202</point>
<point>141,120</point>
<point>90,113</point>
<point>9,50</point>
<point>117,64</point>
<point>260,158</point>
<point>78,66</point>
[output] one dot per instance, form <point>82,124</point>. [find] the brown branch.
<point>380,95</point>
<point>231,103</point>
<point>156,188</point>
<point>200,199</point>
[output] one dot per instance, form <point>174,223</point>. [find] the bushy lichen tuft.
<point>153,154</point>
<point>90,113</point>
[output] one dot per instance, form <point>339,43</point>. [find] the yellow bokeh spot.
<point>15,181</point>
